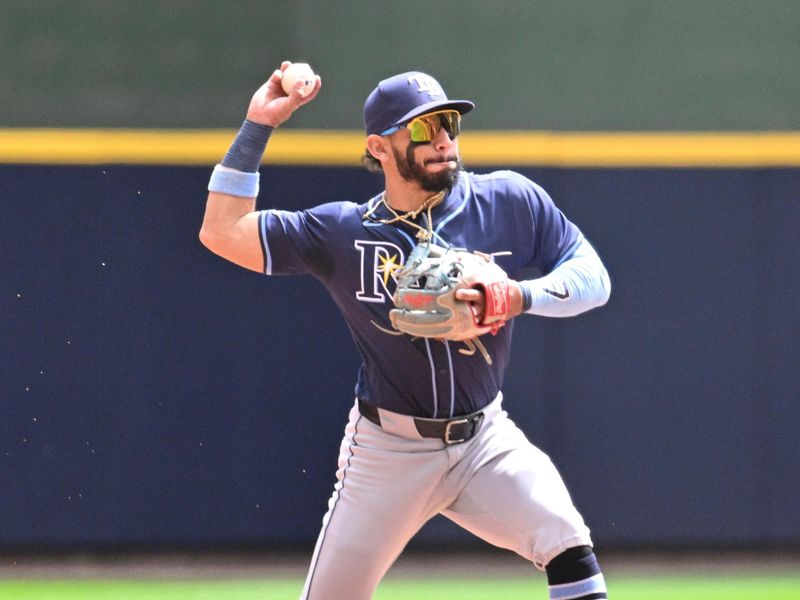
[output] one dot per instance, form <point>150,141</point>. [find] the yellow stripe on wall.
<point>634,149</point>
<point>343,148</point>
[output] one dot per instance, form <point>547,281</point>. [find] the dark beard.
<point>411,170</point>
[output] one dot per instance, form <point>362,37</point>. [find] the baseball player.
<point>427,433</point>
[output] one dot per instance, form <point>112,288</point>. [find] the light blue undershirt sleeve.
<point>578,283</point>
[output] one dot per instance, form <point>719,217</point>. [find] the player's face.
<point>434,165</point>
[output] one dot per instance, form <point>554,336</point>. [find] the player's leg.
<point>575,574</point>
<point>513,497</point>
<point>387,488</point>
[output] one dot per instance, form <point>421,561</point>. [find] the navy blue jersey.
<point>356,258</point>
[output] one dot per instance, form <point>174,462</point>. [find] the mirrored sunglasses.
<point>426,127</point>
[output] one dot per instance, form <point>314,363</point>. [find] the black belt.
<point>450,431</point>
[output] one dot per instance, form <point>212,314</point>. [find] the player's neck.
<point>405,196</point>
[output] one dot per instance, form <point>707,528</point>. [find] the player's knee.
<point>574,564</point>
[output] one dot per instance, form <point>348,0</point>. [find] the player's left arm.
<point>579,282</point>
<point>575,279</point>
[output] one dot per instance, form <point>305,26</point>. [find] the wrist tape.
<point>247,150</point>
<point>237,175</point>
<point>527,297</point>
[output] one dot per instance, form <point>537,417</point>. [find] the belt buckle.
<point>447,428</point>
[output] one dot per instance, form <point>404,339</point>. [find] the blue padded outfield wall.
<point>153,396</point>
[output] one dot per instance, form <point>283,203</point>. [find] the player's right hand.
<point>271,106</point>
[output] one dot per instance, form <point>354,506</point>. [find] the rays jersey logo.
<point>380,262</point>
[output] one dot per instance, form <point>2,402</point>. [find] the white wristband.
<point>235,183</point>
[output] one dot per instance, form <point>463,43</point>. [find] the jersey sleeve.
<point>553,236</point>
<point>299,241</point>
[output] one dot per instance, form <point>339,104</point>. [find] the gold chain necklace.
<point>424,234</point>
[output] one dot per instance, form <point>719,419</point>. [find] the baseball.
<point>298,72</point>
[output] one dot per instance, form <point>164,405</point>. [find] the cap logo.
<point>426,85</point>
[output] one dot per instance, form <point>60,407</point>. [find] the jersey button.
<point>443,372</point>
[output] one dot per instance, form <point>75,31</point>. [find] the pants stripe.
<point>337,494</point>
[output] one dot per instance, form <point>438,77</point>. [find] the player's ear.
<point>378,147</point>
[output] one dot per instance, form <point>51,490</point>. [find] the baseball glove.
<point>425,301</point>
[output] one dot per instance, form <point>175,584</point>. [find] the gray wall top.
<point>532,64</point>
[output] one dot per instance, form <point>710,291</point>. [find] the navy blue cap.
<point>401,98</point>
